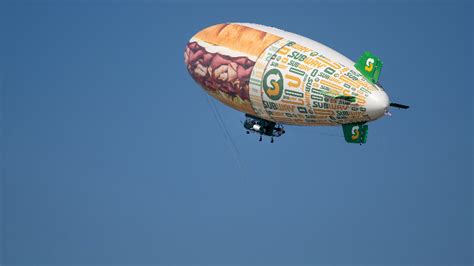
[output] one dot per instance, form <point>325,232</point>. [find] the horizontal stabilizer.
<point>398,105</point>
<point>347,98</point>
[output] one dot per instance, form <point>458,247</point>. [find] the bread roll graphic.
<point>221,59</point>
<point>237,37</point>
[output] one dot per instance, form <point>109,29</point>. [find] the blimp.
<point>279,78</point>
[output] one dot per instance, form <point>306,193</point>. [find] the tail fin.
<point>370,66</point>
<point>355,132</point>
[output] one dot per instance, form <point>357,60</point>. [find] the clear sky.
<point>111,153</point>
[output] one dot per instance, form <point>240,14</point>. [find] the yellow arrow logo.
<point>355,133</point>
<point>275,90</point>
<point>369,64</point>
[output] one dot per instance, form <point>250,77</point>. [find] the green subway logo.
<point>273,84</point>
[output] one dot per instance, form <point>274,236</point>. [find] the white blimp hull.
<point>283,77</point>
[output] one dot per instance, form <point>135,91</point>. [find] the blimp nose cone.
<point>377,104</point>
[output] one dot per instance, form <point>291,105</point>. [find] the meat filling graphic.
<point>218,72</point>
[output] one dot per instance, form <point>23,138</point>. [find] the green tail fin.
<point>370,66</point>
<point>355,132</point>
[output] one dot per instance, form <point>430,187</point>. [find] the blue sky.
<point>111,154</point>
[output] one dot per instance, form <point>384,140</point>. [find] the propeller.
<point>398,105</point>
